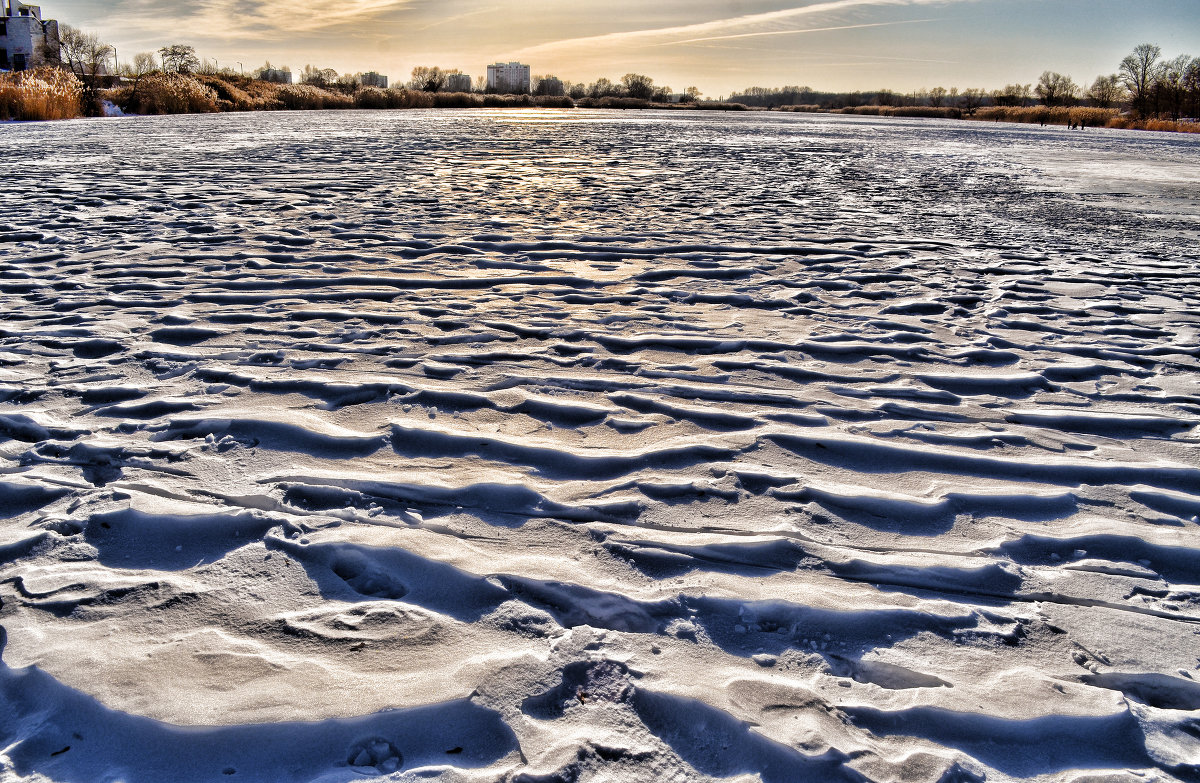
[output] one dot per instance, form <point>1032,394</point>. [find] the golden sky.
<point>719,46</point>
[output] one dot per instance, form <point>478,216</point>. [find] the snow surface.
<point>581,446</point>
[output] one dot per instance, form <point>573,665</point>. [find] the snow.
<point>581,445</point>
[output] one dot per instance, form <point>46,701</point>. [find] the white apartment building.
<point>458,82</point>
<point>508,77</point>
<point>23,35</point>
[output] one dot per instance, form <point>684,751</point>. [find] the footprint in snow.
<point>375,753</point>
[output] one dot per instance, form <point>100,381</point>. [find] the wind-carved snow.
<point>593,446</point>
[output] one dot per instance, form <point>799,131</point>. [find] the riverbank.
<point>1077,116</point>
<point>50,94</point>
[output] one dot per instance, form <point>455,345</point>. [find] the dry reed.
<point>41,94</point>
<point>165,93</point>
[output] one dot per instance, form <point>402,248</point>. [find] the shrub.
<point>554,101</point>
<point>165,93</point>
<point>804,108</point>
<point>719,106</point>
<point>507,101</point>
<point>41,94</point>
<point>235,91</point>
<point>308,96</point>
<point>935,112</point>
<point>456,100</point>
<point>613,103</point>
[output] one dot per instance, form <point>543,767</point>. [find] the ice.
<point>606,446</point>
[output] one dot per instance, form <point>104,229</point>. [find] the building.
<point>276,75</point>
<point>23,35</point>
<point>508,78</point>
<point>458,82</point>
<point>372,79</point>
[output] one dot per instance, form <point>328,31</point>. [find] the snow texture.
<point>581,446</point>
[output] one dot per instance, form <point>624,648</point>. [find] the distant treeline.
<point>176,93</point>
<point>1145,84</point>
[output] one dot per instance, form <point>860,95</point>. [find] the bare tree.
<point>1054,89</point>
<point>638,86</point>
<point>1106,91</point>
<point>1139,71</point>
<point>602,88</point>
<point>84,55</point>
<point>1013,95</point>
<point>972,99</point>
<point>1169,87</point>
<point>548,85</point>
<point>318,77</point>
<point>142,64</point>
<point>179,58</point>
<point>428,79</point>
<point>937,96</point>
<point>1191,82</point>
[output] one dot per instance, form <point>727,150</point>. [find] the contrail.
<point>792,32</point>
<point>718,26</point>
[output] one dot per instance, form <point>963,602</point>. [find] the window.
<point>3,58</point>
<point>18,62</point>
<point>3,27</point>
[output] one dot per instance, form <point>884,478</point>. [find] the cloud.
<point>256,19</point>
<point>716,27</point>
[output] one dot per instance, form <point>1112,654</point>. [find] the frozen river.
<point>580,446</point>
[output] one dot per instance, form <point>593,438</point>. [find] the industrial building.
<point>23,35</point>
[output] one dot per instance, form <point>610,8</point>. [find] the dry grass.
<point>241,93</point>
<point>41,94</point>
<point>1165,126</point>
<point>554,102</point>
<point>307,96</point>
<point>613,103</point>
<point>457,100</point>
<point>1047,115</point>
<point>165,93</point>
<point>716,106</point>
<point>934,112</point>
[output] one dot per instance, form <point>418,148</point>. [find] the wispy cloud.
<point>791,32</point>
<point>257,19</point>
<point>718,27</point>
<point>458,18</point>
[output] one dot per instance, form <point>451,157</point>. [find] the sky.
<point>719,46</point>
